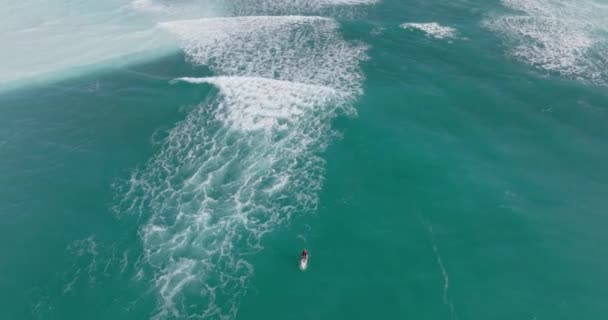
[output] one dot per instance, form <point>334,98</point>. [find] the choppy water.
<point>169,159</point>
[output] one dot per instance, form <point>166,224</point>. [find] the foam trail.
<point>243,162</point>
<point>226,175</point>
<point>564,36</point>
<point>446,279</point>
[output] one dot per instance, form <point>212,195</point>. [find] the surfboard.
<point>303,263</point>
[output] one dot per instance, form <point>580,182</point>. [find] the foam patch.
<point>432,29</point>
<point>563,36</point>
<point>292,48</point>
<point>266,104</point>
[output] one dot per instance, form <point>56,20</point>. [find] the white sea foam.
<point>244,7</point>
<point>50,41</point>
<point>432,29</point>
<point>216,189</point>
<point>85,252</point>
<point>292,48</point>
<point>245,160</point>
<point>260,103</point>
<point>564,36</point>
<point>181,9</point>
<point>39,38</point>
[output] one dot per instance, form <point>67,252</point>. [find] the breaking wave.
<point>243,161</point>
<point>42,38</point>
<point>186,8</point>
<point>292,48</point>
<point>564,36</point>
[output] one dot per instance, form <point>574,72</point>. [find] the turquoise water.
<point>439,171</point>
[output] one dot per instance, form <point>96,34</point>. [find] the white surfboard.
<point>303,263</point>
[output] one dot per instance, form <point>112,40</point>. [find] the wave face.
<point>569,37</point>
<point>244,160</point>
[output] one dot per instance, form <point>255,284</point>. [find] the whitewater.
<point>169,159</point>
<point>52,40</point>
<point>566,37</point>
<point>245,159</point>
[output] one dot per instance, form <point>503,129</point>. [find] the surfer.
<point>304,260</point>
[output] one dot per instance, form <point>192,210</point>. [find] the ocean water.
<point>170,159</point>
